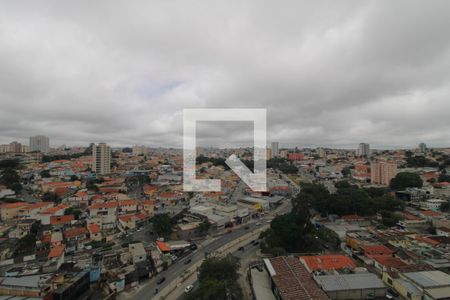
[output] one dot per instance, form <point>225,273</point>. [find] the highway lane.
<point>245,256</point>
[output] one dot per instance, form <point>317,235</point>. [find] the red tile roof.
<point>56,251</point>
<point>13,205</point>
<point>53,210</point>
<point>55,220</point>
<point>129,202</point>
<point>94,228</point>
<point>431,213</point>
<point>427,240</point>
<point>74,232</point>
<point>327,262</point>
<point>372,250</point>
<point>126,218</point>
<point>99,205</point>
<point>293,280</point>
<point>389,261</point>
<point>163,246</point>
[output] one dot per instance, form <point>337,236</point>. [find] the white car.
<point>188,288</point>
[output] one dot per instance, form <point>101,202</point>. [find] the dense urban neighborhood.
<point>114,223</point>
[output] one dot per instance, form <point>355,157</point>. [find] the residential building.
<point>139,150</point>
<point>101,159</point>
<point>363,150</point>
<point>382,172</point>
<point>15,147</point>
<point>40,143</point>
<point>422,147</point>
<point>275,149</point>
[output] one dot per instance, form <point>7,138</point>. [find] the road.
<point>247,255</point>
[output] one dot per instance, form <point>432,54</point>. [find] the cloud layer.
<point>329,73</point>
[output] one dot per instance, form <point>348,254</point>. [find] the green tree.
<point>73,211</point>
<point>294,231</point>
<point>218,280</point>
<point>405,180</point>
<point>445,207</point>
<point>9,163</point>
<point>204,226</point>
<point>162,224</point>
<point>390,219</point>
<point>11,179</point>
<point>444,178</point>
<point>45,174</point>
<point>51,197</point>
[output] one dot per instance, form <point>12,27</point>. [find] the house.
<point>75,234</point>
<point>9,211</point>
<point>61,220</point>
<point>377,250</point>
<point>31,210</point>
<point>103,208</point>
<point>95,232</point>
<point>138,253</point>
<point>56,255</point>
<point>130,221</point>
<point>44,216</point>
<point>443,231</point>
<point>127,205</point>
<point>148,206</point>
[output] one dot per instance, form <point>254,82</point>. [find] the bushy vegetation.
<point>291,232</point>
<point>349,200</point>
<point>50,158</point>
<point>405,180</point>
<point>218,278</point>
<point>8,174</point>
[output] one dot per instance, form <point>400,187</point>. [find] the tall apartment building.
<point>15,147</point>
<point>139,150</point>
<point>275,149</point>
<point>382,172</point>
<point>101,158</point>
<point>40,143</point>
<point>363,150</point>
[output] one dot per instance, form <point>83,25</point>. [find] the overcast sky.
<point>330,73</point>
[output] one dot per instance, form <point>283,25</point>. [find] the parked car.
<point>393,292</point>
<point>187,261</point>
<point>241,249</point>
<point>258,224</point>
<point>188,288</point>
<point>161,280</point>
<point>247,227</point>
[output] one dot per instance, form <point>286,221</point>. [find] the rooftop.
<point>293,280</point>
<point>327,262</point>
<point>349,282</point>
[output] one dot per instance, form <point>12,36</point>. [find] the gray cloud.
<point>329,73</point>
